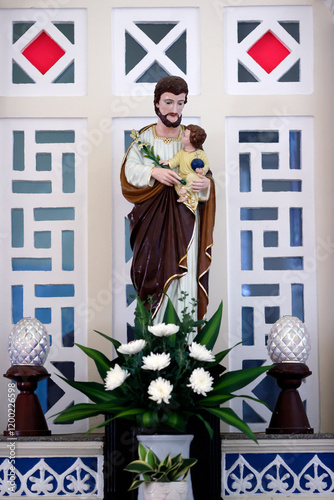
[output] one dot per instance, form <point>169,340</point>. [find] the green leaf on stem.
<point>115,342</point>
<point>228,416</point>
<point>101,361</point>
<point>222,354</point>
<point>209,333</point>
<point>78,412</point>
<point>235,380</point>
<point>93,390</point>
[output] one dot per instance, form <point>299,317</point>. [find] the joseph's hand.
<point>166,176</point>
<point>200,184</point>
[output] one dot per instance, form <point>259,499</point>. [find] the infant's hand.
<point>199,171</point>
<point>164,162</point>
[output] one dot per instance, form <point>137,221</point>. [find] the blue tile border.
<point>283,473</point>
<point>53,476</point>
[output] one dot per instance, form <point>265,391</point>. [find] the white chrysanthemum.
<point>163,330</point>
<point>156,361</point>
<point>200,352</point>
<point>115,377</point>
<point>132,347</point>
<point>201,381</point>
<point>160,390</point>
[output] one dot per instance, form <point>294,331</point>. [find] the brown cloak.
<point>161,233</point>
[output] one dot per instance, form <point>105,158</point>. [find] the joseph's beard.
<point>167,122</point>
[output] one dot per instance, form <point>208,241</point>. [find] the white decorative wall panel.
<point>43,52</point>
<point>272,247</point>
<point>43,221</point>
<point>148,44</point>
<point>268,50</point>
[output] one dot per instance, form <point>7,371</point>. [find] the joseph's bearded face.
<point>169,108</point>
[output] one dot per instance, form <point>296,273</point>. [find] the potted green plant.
<point>160,478</point>
<point>165,376</point>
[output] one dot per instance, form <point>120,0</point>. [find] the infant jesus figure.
<point>192,163</point>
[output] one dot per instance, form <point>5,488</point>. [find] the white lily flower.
<point>135,135</point>
<point>200,352</point>
<point>163,330</point>
<point>132,347</point>
<point>160,390</point>
<point>115,377</point>
<point>156,361</point>
<point>200,381</point>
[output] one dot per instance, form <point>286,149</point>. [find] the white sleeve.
<point>138,169</point>
<point>204,195</point>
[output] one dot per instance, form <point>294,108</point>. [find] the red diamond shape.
<point>268,52</point>
<point>43,52</point>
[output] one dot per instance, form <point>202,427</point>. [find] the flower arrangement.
<point>162,377</point>
<point>152,469</point>
<point>148,152</point>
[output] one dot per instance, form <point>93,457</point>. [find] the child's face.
<point>186,138</point>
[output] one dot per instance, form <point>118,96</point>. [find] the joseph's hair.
<point>174,84</point>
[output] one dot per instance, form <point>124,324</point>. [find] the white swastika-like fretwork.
<point>43,226</point>
<point>271,243</point>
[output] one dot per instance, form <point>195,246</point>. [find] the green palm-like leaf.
<point>101,361</point>
<point>170,315</point>
<point>147,419</point>
<point>174,420</point>
<point>129,414</point>
<point>115,342</point>
<point>209,333</point>
<point>235,380</point>
<point>118,412</point>
<point>99,426</point>
<point>230,417</point>
<point>215,400</point>
<point>142,319</point>
<point>222,354</point>
<point>206,424</point>
<point>78,412</point>
<point>219,399</point>
<point>93,390</point>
